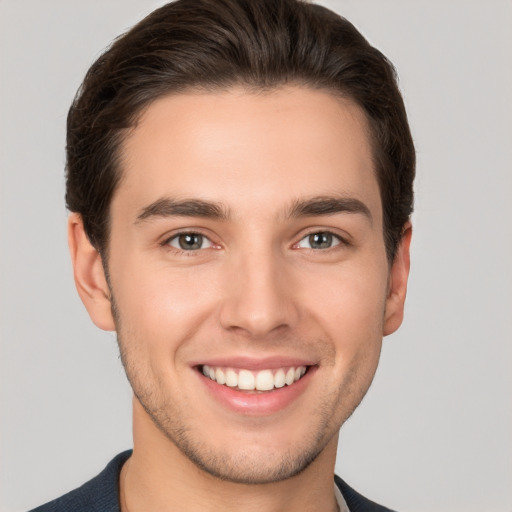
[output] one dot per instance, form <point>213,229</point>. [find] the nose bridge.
<point>258,298</point>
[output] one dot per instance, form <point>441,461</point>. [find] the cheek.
<point>351,310</point>
<point>352,299</point>
<point>160,306</point>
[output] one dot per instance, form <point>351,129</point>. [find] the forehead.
<point>236,146</point>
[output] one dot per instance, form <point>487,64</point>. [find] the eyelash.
<point>189,252</point>
<point>334,239</point>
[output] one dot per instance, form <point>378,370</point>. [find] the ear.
<point>397,287</point>
<point>89,275</point>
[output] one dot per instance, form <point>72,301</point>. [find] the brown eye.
<point>319,240</point>
<point>190,242</point>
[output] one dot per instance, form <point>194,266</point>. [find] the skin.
<point>256,288</point>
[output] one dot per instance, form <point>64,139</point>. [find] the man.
<point>239,176</point>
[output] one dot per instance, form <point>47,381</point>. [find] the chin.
<point>249,466</point>
<point>268,454</point>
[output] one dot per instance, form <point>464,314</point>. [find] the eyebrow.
<point>329,205</point>
<point>167,207</point>
<point>312,207</point>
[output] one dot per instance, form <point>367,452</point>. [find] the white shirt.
<point>342,504</point>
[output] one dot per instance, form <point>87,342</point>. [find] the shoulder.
<point>355,501</point>
<point>97,495</point>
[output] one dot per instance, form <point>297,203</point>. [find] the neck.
<point>158,476</point>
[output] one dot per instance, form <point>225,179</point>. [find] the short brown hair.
<point>215,44</point>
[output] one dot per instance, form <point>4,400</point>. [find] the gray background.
<point>435,431</point>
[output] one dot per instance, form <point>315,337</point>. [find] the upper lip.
<point>252,363</point>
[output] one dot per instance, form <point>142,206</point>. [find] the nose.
<point>258,297</point>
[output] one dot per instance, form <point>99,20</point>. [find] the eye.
<point>189,242</point>
<point>319,240</point>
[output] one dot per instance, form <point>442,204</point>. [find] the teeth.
<point>219,376</point>
<point>231,378</point>
<point>279,379</point>
<point>245,380</point>
<point>264,380</point>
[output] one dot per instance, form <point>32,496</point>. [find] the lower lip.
<point>257,403</point>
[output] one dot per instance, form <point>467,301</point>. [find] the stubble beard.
<point>244,467</point>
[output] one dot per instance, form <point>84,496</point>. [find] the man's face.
<point>246,244</point>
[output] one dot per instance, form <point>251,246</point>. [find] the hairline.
<point>123,134</point>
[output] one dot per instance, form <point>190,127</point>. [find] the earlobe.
<point>397,289</point>
<point>89,275</point>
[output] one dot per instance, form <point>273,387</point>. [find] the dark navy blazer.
<point>101,494</point>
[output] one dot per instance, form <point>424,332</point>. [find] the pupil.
<point>320,240</point>
<point>190,241</point>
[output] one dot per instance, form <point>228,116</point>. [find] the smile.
<point>247,380</point>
